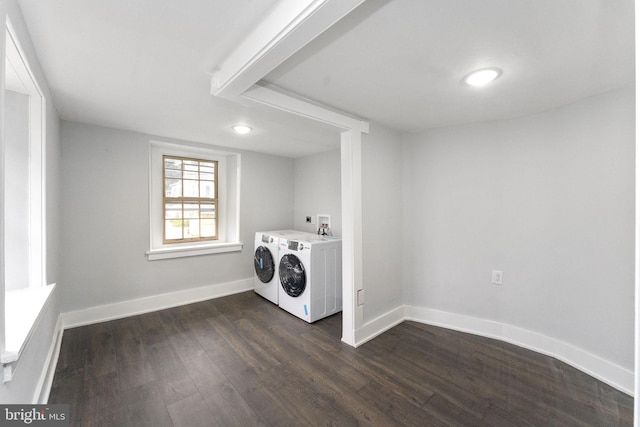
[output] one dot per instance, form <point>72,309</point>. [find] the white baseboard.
<point>128,308</point>
<point>43,388</point>
<point>379,325</point>
<point>604,370</point>
<point>125,309</point>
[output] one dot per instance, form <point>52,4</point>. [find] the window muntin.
<point>190,199</point>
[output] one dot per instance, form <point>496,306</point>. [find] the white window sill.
<point>186,251</point>
<point>22,311</point>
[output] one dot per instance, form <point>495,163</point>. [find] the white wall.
<point>106,219</point>
<point>548,199</point>
<point>317,191</point>
<point>26,381</point>
<point>381,221</point>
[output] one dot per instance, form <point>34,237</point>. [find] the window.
<point>194,200</point>
<point>190,199</point>
<point>24,191</point>
<point>23,198</point>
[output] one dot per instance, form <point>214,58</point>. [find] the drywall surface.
<point>317,191</point>
<point>106,219</point>
<point>382,244</point>
<point>549,200</point>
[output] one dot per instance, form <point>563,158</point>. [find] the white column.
<point>351,159</point>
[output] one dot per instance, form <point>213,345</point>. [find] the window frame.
<point>35,222</point>
<point>24,302</point>
<point>228,192</point>
<point>183,200</point>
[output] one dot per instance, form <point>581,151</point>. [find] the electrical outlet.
<point>496,277</point>
<point>360,296</point>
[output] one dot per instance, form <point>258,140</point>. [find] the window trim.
<point>229,166</point>
<point>19,322</point>
<point>36,222</point>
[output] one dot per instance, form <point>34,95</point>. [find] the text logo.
<point>35,415</point>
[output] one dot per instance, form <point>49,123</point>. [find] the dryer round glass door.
<point>263,264</point>
<point>292,276</point>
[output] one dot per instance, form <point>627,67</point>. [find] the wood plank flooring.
<point>241,361</point>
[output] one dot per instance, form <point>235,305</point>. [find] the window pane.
<point>190,169</point>
<point>190,188</point>
<point>190,165</point>
<point>207,189</point>
<point>172,173</point>
<point>190,193</point>
<point>208,227</point>
<point>206,171</point>
<point>171,163</point>
<point>191,210</point>
<point>173,229</point>
<point>173,188</point>
<point>190,175</point>
<point>205,176</point>
<point>173,211</point>
<point>191,228</point>
<point>207,210</point>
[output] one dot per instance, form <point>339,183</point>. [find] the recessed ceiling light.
<point>242,129</point>
<point>482,77</point>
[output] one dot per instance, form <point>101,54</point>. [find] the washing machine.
<point>265,259</point>
<point>310,275</point>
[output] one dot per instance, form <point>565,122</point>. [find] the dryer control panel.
<point>294,245</point>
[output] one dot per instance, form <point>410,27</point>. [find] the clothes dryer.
<point>265,259</point>
<point>310,275</point>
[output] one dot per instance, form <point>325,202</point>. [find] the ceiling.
<point>146,65</point>
<point>401,62</point>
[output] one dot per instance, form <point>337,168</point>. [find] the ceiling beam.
<point>277,98</point>
<point>289,27</point>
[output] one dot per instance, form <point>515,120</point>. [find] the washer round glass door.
<point>292,275</point>
<point>263,264</point>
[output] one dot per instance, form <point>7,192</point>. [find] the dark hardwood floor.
<point>241,361</point>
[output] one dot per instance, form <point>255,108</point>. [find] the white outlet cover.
<point>324,219</point>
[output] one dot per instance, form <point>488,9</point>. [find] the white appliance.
<point>265,259</point>
<point>310,275</point>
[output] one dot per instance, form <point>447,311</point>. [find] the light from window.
<point>190,199</point>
